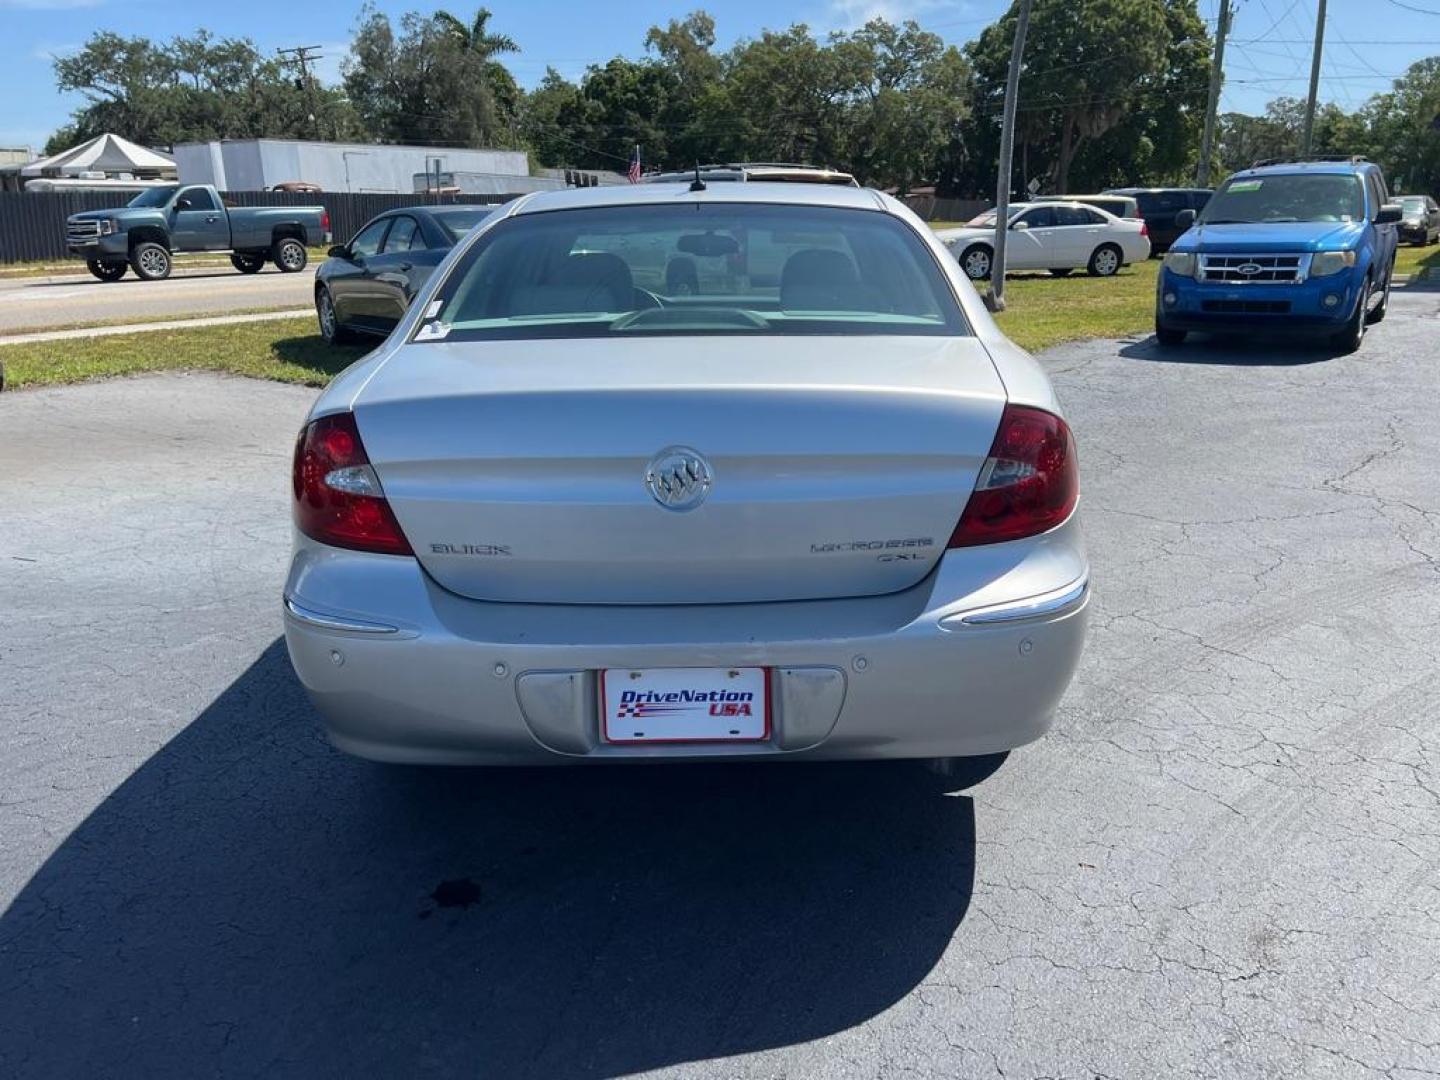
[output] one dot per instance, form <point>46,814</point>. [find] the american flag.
<point>634,171</point>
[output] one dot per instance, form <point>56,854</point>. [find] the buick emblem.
<point>1249,269</point>
<point>678,478</point>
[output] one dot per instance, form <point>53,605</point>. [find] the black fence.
<point>32,226</point>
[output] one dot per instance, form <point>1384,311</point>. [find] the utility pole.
<point>304,56</point>
<point>1207,141</point>
<point>1007,153</point>
<point>1314,79</point>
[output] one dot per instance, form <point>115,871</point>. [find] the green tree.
<point>1158,139</point>
<point>1089,65</point>
<point>191,88</point>
<point>1403,128</point>
<point>910,94</point>
<point>436,82</point>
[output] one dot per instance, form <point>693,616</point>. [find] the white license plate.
<point>671,705</point>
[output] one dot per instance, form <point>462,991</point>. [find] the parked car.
<point>1122,206</point>
<point>1160,207</point>
<point>1300,247</point>
<point>561,515</point>
<point>1055,236</point>
<point>363,287</point>
<point>174,219</point>
<point>1421,223</point>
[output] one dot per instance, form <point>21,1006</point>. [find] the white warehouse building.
<point>260,164</point>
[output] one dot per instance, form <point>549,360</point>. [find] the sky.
<point>1369,42</point>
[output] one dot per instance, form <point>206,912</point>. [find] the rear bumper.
<point>1185,304</point>
<point>973,660</point>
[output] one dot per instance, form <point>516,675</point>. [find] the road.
<point>31,303</point>
<point>1221,863</point>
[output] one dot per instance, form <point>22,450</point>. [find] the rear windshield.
<point>1287,197</point>
<point>458,222</point>
<point>718,268</point>
<point>986,218</point>
<point>1413,202</point>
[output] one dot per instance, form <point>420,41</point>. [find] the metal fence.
<point>934,209</point>
<point>32,226</point>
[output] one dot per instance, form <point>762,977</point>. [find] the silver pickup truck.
<point>162,222</point>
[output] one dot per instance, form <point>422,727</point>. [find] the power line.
<point>1412,7</point>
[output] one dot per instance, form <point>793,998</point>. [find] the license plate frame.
<point>673,719</point>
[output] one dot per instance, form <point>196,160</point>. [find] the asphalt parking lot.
<point>27,303</point>
<point>1221,863</point>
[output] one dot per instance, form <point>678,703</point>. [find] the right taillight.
<point>338,499</point>
<point>1028,484</point>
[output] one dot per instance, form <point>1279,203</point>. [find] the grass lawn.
<point>1041,310</point>
<point>1410,259</point>
<point>287,350</point>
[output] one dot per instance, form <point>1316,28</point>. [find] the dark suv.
<point>1159,206</point>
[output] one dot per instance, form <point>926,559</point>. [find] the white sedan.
<point>1054,236</point>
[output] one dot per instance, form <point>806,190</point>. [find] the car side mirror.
<point>1184,219</point>
<point>339,251</point>
<point>1021,226</point>
<point>1390,214</point>
<point>182,204</point>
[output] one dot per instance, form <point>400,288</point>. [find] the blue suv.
<point>1291,247</point>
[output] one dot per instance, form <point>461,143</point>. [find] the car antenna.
<point>697,184</point>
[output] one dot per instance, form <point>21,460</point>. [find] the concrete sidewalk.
<point>142,327</point>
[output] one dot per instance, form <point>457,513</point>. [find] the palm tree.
<point>474,37</point>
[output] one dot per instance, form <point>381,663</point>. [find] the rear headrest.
<point>817,279</point>
<point>587,281</point>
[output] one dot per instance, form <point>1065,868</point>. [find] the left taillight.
<point>338,498</point>
<point>324,220</point>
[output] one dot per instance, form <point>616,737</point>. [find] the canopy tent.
<point>104,153</point>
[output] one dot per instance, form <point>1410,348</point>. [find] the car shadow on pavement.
<point>250,902</point>
<point>1233,351</point>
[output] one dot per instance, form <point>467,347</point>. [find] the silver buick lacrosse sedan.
<point>667,472</point>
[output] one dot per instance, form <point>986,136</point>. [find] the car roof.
<point>664,193</point>
<point>1132,191</point>
<point>455,208</point>
<point>1300,168</point>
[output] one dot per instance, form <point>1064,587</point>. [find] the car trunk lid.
<point>838,466</point>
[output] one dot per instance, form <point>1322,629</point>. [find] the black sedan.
<point>364,287</point>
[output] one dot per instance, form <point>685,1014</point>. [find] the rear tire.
<point>106,271</point>
<point>331,329</point>
<point>1377,313</point>
<point>150,261</point>
<point>289,255</point>
<point>1105,261</point>
<point>976,261</point>
<point>1349,339</point>
<point>1061,271</point>
<point>247,263</point>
